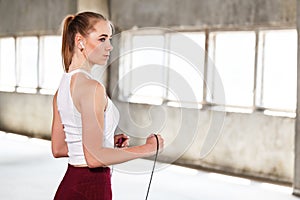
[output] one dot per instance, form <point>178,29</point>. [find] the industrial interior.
<point>217,79</point>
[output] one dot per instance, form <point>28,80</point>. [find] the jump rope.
<point>154,163</point>
<point>155,158</point>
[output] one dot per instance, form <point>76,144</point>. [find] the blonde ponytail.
<point>67,43</point>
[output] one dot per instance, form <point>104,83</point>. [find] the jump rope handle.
<point>157,148</point>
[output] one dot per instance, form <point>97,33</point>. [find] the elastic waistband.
<point>97,169</point>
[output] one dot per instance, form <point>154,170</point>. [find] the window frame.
<point>257,92</point>
<point>37,89</point>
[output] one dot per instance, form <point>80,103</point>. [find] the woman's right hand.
<point>152,143</point>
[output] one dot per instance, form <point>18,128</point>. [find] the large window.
<point>278,69</point>
<point>7,64</point>
<point>27,64</point>
<point>152,68</point>
<point>187,67</point>
<point>30,64</point>
<point>233,54</point>
<point>50,63</point>
<point>148,53</point>
<point>257,68</point>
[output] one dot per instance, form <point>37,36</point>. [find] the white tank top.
<point>71,120</point>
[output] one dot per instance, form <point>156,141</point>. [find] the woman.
<point>84,118</point>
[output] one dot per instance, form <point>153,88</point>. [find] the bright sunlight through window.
<point>234,56</point>
<point>50,64</point>
<point>30,63</point>
<point>27,64</point>
<point>267,81</point>
<point>7,64</point>
<point>278,68</point>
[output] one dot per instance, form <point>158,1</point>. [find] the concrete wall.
<point>28,114</point>
<point>253,144</point>
<point>202,13</point>
<point>19,17</point>
<point>28,17</point>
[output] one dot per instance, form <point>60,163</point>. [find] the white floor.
<point>28,172</point>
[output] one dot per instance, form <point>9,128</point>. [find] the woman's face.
<point>98,46</point>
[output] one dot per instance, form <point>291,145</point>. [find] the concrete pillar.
<point>296,183</point>
<point>100,6</point>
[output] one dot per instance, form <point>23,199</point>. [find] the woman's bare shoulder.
<point>88,87</point>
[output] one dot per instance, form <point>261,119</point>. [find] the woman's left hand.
<point>121,140</point>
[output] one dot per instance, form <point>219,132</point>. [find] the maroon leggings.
<point>83,183</point>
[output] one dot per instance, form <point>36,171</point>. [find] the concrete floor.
<point>28,172</point>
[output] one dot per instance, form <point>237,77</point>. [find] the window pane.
<point>279,80</point>
<point>147,71</point>
<point>7,64</point>
<point>50,62</point>
<point>234,56</point>
<point>125,66</point>
<point>27,55</point>
<point>186,63</point>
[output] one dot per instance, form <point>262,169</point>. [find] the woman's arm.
<point>91,100</point>
<point>58,144</point>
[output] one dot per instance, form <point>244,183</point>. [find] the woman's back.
<point>72,122</point>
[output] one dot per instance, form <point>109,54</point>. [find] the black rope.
<point>157,148</point>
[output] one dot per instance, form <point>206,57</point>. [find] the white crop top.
<point>71,120</point>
